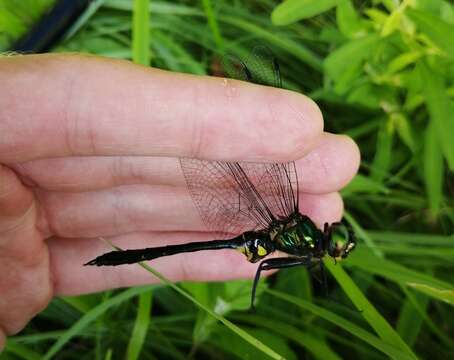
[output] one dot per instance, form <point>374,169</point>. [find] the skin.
<point>89,148</point>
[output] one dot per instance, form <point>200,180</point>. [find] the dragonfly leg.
<point>324,279</point>
<point>277,263</point>
<point>325,288</point>
<point>328,230</point>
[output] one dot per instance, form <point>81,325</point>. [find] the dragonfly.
<point>250,207</point>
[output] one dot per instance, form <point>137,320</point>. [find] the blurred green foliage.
<point>382,71</point>
<point>16,17</point>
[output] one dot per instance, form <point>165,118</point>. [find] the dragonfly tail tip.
<point>92,262</point>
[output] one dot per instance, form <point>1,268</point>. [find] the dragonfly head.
<point>341,240</point>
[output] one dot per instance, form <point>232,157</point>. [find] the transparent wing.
<point>231,197</point>
<point>235,68</point>
<point>261,67</point>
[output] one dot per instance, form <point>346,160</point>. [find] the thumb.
<point>25,285</point>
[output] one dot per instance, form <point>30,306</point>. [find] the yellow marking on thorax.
<point>261,251</point>
<point>245,250</point>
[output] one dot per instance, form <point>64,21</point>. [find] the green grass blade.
<point>372,316</point>
<point>412,238</point>
<point>429,322</point>
<point>404,130</point>
<point>175,57</point>
<point>433,169</point>
<point>383,152</point>
<point>361,233</point>
<point>357,331</point>
<point>109,353</point>
<point>293,47</point>
<point>141,32</point>
<point>21,351</point>
<point>365,260</point>
<point>440,110</point>
<point>213,23</point>
<point>297,49</point>
<point>158,7</point>
<point>446,253</point>
<point>141,325</point>
<point>410,321</point>
<point>36,338</point>
<point>364,184</point>
<point>237,330</point>
<point>446,295</point>
<point>313,344</point>
<point>77,302</point>
<point>91,316</point>
<point>92,8</point>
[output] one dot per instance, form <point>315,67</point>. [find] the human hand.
<point>89,147</point>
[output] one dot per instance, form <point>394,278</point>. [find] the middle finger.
<point>145,208</point>
<point>327,168</point>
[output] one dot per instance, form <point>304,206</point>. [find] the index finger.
<point>63,105</point>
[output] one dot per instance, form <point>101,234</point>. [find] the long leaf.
<point>293,47</point>
<point>342,64</point>
<point>293,10</point>
<point>437,30</point>
<point>440,110</point>
<point>141,325</point>
<point>352,328</point>
<point>315,345</point>
<point>433,169</point>
<point>365,260</point>
<point>368,311</point>
<point>213,22</point>
<point>240,332</point>
<point>91,316</point>
<point>141,32</point>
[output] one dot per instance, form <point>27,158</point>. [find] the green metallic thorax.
<point>296,235</point>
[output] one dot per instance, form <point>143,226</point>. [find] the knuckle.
<point>117,170</point>
<point>196,140</point>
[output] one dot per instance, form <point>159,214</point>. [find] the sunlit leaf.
<point>383,152</point>
<point>433,169</point>
<point>446,295</point>
<point>349,56</point>
<point>141,325</point>
<point>363,184</point>
<point>440,110</point>
<point>348,21</point>
<point>404,129</point>
<point>368,262</point>
<point>141,32</point>
<point>403,60</point>
<point>437,30</point>
<point>368,311</point>
<point>410,321</point>
<point>293,10</point>
<point>352,328</point>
